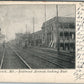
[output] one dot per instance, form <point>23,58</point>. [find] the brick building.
<point>59,33</point>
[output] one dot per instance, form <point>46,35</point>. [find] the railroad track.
<point>50,60</point>
<point>1,64</point>
<point>55,51</point>
<point>64,57</point>
<point>67,59</point>
<point>20,57</point>
<point>17,54</point>
<point>44,58</point>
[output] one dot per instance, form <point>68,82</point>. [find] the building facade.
<point>37,37</point>
<point>18,39</point>
<point>26,40</point>
<point>2,37</point>
<point>59,33</point>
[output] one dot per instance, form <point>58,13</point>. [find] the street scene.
<point>37,36</point>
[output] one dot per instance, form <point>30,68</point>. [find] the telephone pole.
<point>33,31</point>
<point>26,29</point>
<point>26,36</point>
<point>0,30</point>
<point>57,28</point>
<point>33,25</point>
<point>45,42</point>
<point>45,12</point>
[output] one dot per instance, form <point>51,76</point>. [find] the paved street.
<point>34,58</point>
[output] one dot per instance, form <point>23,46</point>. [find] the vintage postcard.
<point>42,42</point>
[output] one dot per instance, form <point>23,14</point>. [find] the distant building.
<point>59,34</point>
<point>19,39</point>
<point>37,37</point>
<point>2,37</point>
<point>23,40</point>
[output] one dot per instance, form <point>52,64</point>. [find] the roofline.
<point>54,20</point>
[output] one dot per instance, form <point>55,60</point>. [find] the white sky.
<point>14,18</point>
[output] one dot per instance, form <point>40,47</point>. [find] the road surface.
<point>12,57</point>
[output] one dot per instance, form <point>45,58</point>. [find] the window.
<point>65,25</point>
<point>51,27</point>
<point>71,25</point>
<point>61,35</point>
<point>61,25</point>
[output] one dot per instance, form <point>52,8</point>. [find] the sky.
<point>19,18</point>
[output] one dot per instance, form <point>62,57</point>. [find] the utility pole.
<point>0,30</point>
<point>33,31</point>
<point>26,37</point>
<point>45,12</point>
<point>26,28</point>
<point>33,25</point>
<point>57,28</point>
<point>45,26</point>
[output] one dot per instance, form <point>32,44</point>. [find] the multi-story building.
<point>33,39</point>
<point>59,33</point>
<point>2,37</point>
<point>18,38</point>
<point>37,37</point>
<point>21,39</point>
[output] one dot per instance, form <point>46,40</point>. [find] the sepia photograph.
<point>37,36</point>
